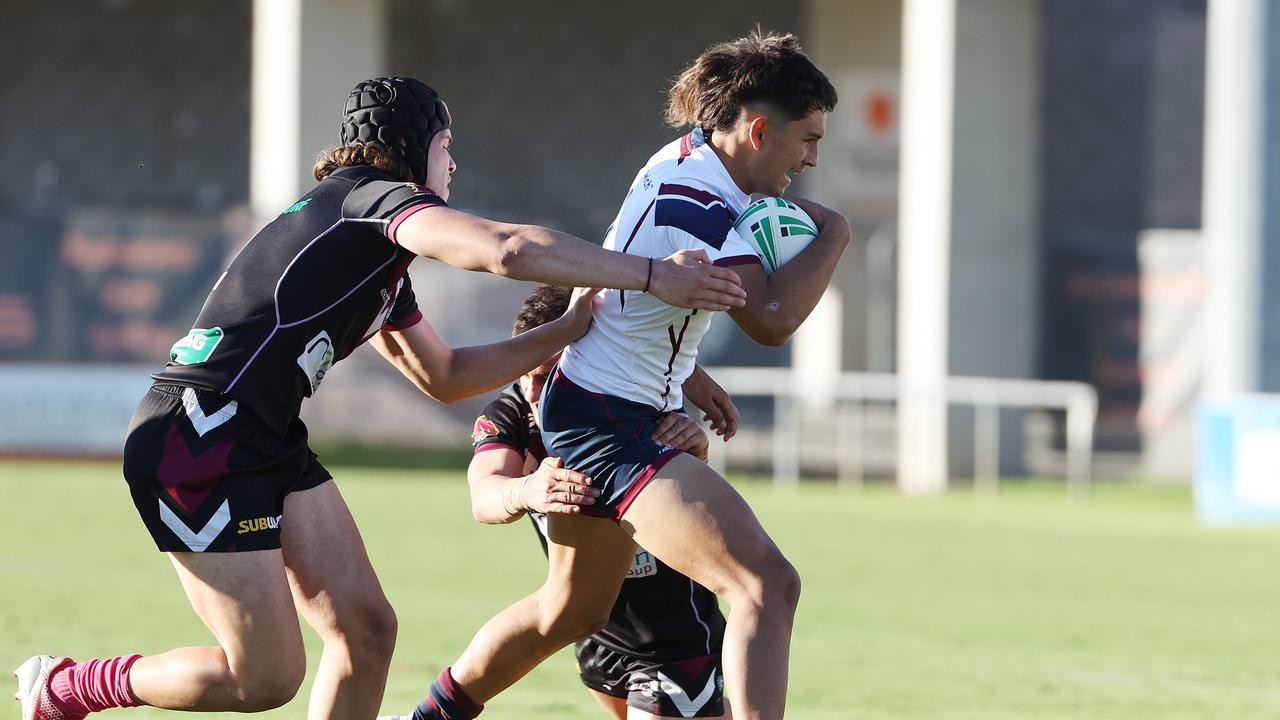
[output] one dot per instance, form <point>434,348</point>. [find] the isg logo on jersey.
<point>196,346</point>
<point>316,359</point>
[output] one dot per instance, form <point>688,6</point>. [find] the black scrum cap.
<point>400,113</point>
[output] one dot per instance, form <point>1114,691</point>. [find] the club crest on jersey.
<point>483,428</point>
<point>196,347</point>
<point>316,359</point>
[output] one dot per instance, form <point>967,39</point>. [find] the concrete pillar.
<point>307,55</point>
<point>994,298</point>
<point>273,108</point>
<point>924,239</point>
<point>1235,76</point>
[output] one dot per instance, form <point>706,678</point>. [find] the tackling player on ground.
<point>659,653</point>
<point>758,107</point>
<point>217,459</point>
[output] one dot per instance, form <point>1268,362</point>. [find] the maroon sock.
<point>93,685</point>
<point>447,701</point>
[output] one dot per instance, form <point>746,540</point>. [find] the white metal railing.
<point>852,390</point>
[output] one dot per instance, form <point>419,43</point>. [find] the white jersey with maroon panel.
<point>640,348</point>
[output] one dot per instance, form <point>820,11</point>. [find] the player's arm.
<point>530,252</point>
<point>501,492</point>
<point>451,374</point>
<point>714,402</point>
<point>778,303</point>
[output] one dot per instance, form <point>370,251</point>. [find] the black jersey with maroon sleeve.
<point>659,614</point>
<point>309,288</point>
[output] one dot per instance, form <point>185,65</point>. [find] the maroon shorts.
<point>208,475</point>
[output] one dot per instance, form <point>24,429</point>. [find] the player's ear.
<point>755,129</point>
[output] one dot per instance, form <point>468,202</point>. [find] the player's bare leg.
<point>336,590</point>
<point>259,663</point>
<point>693,520</point>
<point>574,602</point>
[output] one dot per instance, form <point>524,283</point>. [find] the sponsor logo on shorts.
<point>644,565</point>
<point>258,524</point>
<point>316,359</point>
<point>196,347</point>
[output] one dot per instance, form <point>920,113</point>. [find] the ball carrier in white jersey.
<point>760,106</point>
<point>684,198</point>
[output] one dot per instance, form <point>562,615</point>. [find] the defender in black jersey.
<point>216,457</point>
<point>310,287</point>
<point>660,651</point>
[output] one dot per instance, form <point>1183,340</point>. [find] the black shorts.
<point>689,687</point>
<point>209,476</point>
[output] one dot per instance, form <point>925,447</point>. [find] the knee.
<point>769,587</point>
<point>370,631</point>
<point>569,623</point>
<point>570,627</point>
<point>786,582</point>
<point>379,631</point>
<point>260,689</point>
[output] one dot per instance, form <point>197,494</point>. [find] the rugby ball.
<point>778,228</point>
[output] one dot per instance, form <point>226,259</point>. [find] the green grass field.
<point>1017,606</point>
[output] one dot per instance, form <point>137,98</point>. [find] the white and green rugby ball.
<point>779,229</point>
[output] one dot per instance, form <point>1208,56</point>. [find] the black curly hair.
<point>541,307</point>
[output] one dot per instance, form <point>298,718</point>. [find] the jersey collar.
<point>728,189</point>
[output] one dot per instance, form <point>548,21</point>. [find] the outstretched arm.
<point>779,302</point>
<point>451,374</point>
<point>530,252</point>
